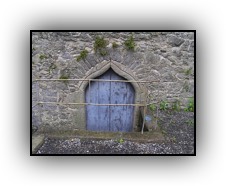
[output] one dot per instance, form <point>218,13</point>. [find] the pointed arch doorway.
<point>110,118</point>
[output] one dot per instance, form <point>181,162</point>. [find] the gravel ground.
<point>177,127</point>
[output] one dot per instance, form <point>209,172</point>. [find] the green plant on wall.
<point>152,107</point>
<point>176,105</point>
<point>188,71</point>
<point>190,105</point>
<point>164,105</point>
<point>100,45</point>
<point>130,44</point>
<point>42,56</point>
<point>65,78</point>
<point>82,55</point>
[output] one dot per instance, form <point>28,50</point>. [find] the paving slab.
<point>37,142</point>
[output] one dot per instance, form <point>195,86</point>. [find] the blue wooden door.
<point>110,118</point>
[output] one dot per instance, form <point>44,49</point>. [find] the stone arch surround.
<point>119,68</point>
<point>123,71</point>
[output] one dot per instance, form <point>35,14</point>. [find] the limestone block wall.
<point>164,56</point>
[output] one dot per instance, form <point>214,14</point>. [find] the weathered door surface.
<point>110,118</point>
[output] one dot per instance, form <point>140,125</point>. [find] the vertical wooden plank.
<point>92,111</point>
<point>130,109</point>
<point>125,117</point>
<point>103,98</point>
<point>115,111</point>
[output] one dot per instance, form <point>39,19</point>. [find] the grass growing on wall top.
<point>100,45</point>
<point>130,44</point>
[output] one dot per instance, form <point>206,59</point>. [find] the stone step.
<point>37,142</point>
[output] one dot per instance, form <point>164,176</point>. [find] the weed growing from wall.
<point>82,55</point>
<point>152,107</point>
<point>42,56</point>
<point>164,105</point>
<point>65,77</point>
<point>100,45</point>
<point>190,105</point>
<point>130,44</point>
<point>188,71</point>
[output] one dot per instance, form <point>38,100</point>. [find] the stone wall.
<point>167,57</point>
